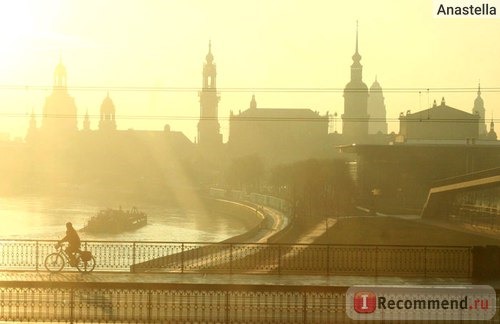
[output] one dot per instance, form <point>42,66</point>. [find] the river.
<point>34,217</point>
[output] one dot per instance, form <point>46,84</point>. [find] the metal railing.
<point>184,257</point>
<point>175,303</point>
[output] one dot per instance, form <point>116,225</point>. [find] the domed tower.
<point>355,116</point>
<point>107,121</point>
<point>492,135</point>
<point>208,127</point>
<point>59,112</point>
<point>479,109</point>
<point>376,110</point>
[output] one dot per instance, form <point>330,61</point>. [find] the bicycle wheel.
<point>54,262</point>
<point>85,266</point>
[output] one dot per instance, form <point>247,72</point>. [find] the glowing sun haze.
<point>257,45</point>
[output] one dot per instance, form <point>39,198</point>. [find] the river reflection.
<point>44,218</point>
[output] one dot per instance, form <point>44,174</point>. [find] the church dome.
<point>356,85</point>
<point>375,86</point>
<point>107,106</point>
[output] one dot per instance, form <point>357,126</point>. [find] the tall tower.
<point>208,127</point>
<point>355,116</point>
<point>492,135</point>
<point>59,112</point>
<point>479,109</point>
<point>376,110</point>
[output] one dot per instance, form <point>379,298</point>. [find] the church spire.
<point>210,56</point>
<point>357,29</point>
<point>479,109</point>
<point>356,57</point>
<point>209,69</point>
<point>355,117</point>
<point>356,67</point>
<point>492,135</point>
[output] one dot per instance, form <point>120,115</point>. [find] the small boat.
<point>116,221</point>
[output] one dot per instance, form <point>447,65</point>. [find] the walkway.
<point>225,279</point>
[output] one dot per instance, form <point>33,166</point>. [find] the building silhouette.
<point>107,120</point>
<point>278,134</point>
<point>479,110</point>
<point>376,110</point>
<point>440,122</point>
<point>209,136</point>
<point>492,135</point>
<point>355,117</point>
<point>59,112</point>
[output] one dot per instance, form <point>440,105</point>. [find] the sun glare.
<point>22,25</point>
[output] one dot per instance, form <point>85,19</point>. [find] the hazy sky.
<point>257,45</point>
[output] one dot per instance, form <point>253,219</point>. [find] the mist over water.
<point>32,217</point>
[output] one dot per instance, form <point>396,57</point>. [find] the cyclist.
<point>74,243</point>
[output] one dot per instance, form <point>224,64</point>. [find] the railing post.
<point>71,305</point>
<point>182,257</point>
<point>328,260</point>
<point>425,261</point>
<point>36,256</point>
<point>227,307</point>
<point>150,306</point>
<point>279,258</point>
<point>304,308</point>
<point>132,268</point>
<point>231,258</point>
<point>471,261</point>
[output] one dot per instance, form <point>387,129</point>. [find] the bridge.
<point>172,282</point>
<point>234,281</point>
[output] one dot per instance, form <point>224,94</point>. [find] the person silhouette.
<point>74,243</point>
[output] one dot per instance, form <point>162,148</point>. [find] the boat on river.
<point>116,221</point>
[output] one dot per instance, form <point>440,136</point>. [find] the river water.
<point>32,217</point>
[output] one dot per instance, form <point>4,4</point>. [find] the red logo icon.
<point>365,302</point>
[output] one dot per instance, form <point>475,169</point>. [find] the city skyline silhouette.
<point>154,81</point>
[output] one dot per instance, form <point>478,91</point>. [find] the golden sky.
<point>257,45</point>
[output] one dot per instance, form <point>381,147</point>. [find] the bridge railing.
<point>97,302</point>
<point>268,258</point>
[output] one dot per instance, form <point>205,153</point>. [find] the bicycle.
<point>55,262</point>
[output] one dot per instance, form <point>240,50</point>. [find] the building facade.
<point>278,134</point>
<point>440,122</point>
